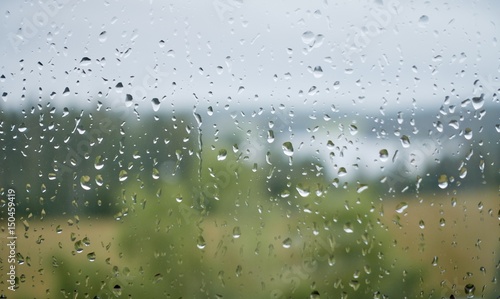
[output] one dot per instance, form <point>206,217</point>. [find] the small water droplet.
<point>200,242</point>
<point>303,191</point>
<point>478,102</point>
<point>128,100</point>
<point>117,290</point>
<point>421,224</point>
<point>401,207</point>
<point>85,182</point>
<point>238,270</point>
<point>469,290</point>
<point>157,278</point>
<point>308,37</point>
<point>348,228</point>
<point>468,133</point>
<point>318,72</point>
<point>443,181</point>
<point>270,136</point>
<point>122,175</point>
<point>103,36</point>
<point>384,155</point>
<point>287,148</point>
<point>22,128</point>
<point>442,222</point>
<point>405,141</point>
<point>155,102</point>
<point>99,162</point>
<point>423,20</point>
<point>314,295</point>
<point>91,256</point>
<point>342,172</point>
<point>222,155</point>
<point>361,188</point>
<point>435,260</point>
<point>236,232</point>
<point>287,243</point>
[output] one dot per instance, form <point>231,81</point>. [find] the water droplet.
<point>435,261</point>
<point>469,290</point>
<point>287,243</point>
<point>103,36</point>
<point>238,270</point>
<point>128,100</point>
<point>384,155</point>
<point>117,290</point>
<point>236,232</point>
<point>122,176</point>
<point>405,141</point>
<point>478,102</point>
<point>361,188</point>
<point>157,278</point>
<point>85,61</point>
<point>99,180</point>
<point>442,222</point>
<point>303,191</point>
<point>91,256</point>
<point>421,224</point>
<point>443,181</point>
<point>468,133</point>
<point>22,128</point>
<point>222,155</point>
<point>308,37</point>
<point>353,129</point>
<point>155,102</point>
<point>85,182</point>
<point>314,295</point>
<point>156,173</point>
<point>342,172</point>
<point>287,148</point>
<point>423,20</point>
<point>200,242</point>
<point>99,162</point>
<point>318,72</point>
<point>348,228</point>
<point>270,136</point>
<point>401,207</point>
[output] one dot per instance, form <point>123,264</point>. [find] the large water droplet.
<point>468,133</point>
<point>91,256</point>
<point>122,176</point>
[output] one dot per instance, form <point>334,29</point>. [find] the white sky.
<point>447,46</point>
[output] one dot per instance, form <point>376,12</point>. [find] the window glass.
<point>249,149</point>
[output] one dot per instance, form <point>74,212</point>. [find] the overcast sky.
<point>367,54</point>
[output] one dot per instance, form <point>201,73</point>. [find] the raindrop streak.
<point>200,143</point>
<point>287,148</point>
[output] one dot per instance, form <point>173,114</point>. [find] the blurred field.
<point>458,232</point>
